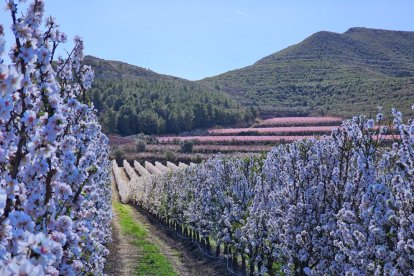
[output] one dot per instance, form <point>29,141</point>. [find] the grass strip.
<point>153,262</point>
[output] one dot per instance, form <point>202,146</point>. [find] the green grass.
<point>152,262</point>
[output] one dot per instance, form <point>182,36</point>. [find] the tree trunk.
<point>270,267</point>
<point>243,268</point>
<point>260,264</point>
<point>218,250</point>
<point>208,245</point>
<point>251,264</point>
<point>235,262</point>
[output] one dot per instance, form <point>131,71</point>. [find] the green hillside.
<point>329,73</point>
<point>132,99</point>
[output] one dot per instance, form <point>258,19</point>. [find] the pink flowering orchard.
<point>54,192</point>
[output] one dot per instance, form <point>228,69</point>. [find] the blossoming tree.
<point>54,192</point>
<point>339,205</point>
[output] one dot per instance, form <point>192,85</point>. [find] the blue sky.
<point>194,39</point>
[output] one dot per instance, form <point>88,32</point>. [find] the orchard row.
<point>341,204</point>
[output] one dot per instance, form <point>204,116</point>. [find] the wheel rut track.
<point>185,257</point>
<point>122,253</point>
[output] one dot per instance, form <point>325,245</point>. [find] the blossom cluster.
<point>122,183</point>
<point>140,169</point>
<point>211,198</point>
<point>54,193</point>
<point>153,169</point>
<point>338,205</point>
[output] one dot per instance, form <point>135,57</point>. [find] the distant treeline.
<point>129,107</point>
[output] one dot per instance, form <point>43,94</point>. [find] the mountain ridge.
<point>372,66</point>
<point>327,73</point>
<point>121,71</point>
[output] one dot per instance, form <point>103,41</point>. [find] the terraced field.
<point>256,139</point>
<point>259,136</point>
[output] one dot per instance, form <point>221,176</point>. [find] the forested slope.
<point>131,100</point>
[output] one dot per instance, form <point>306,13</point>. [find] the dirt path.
<point>123,254</point>
<point>191,261</point>
<point>184,256</point>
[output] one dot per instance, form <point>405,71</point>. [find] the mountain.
<point>111,69</point>
<point>131,99</point>
<point>329,73</point>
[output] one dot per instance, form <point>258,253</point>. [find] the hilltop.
<point>112,69</point>
<point>132,99</point>
<point>329,73</point>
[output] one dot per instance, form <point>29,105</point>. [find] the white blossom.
<point>54,189</point>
